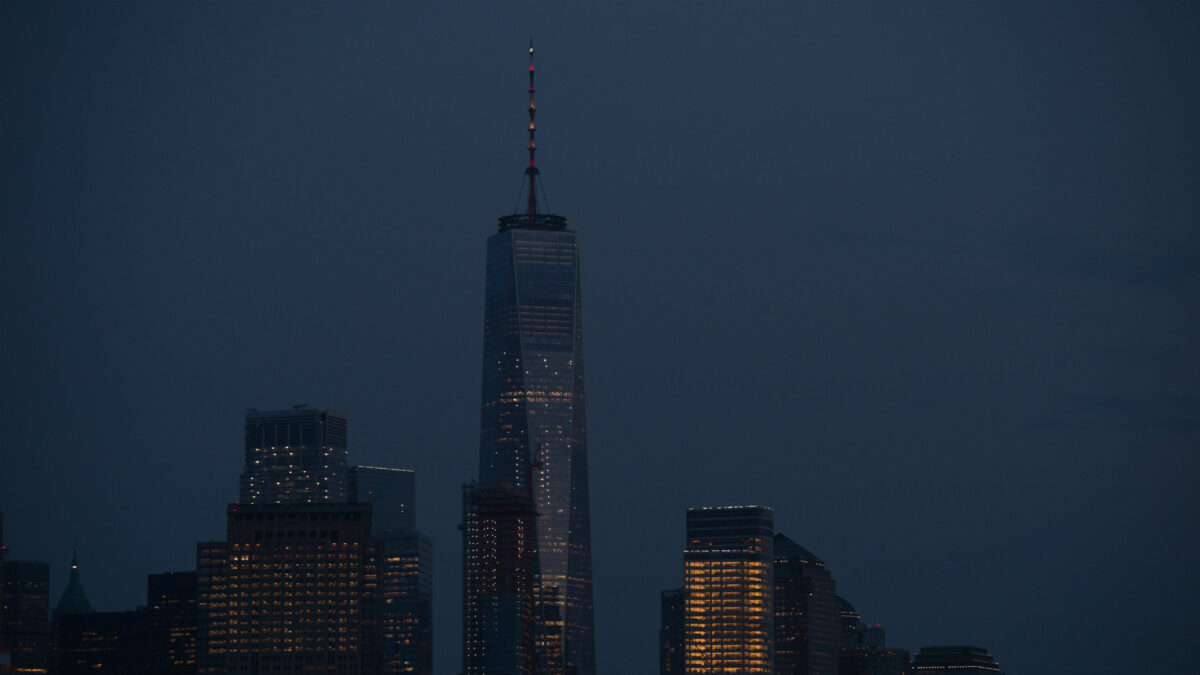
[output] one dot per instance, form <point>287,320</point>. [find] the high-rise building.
<point>295,456</point>
<point>729,619</point>
<point>807,613</point>
<point>533,430</point>
<point>670,632</point>
<point>25,596</point>
<point>392,495</point>
<point>955,661</point>
<point>399,632</point>
<point>287,590</point>
<point>500,627</point>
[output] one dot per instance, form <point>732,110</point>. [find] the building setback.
<point>729,622</point>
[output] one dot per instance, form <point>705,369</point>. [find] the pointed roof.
<point>74,599</point>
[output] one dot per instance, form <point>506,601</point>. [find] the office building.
<point>533,429</point>
<point>25,597</point>
<point>392,495</point>
<point>286,591</point>
<point>295,456</point>
<point>729,621</point>
<point>670,632</point>
<point>954,661</point>
<point>807,613</point>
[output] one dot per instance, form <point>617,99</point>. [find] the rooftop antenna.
<point>532,170</point>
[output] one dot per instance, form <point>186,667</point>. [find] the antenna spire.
<point>532,171</point>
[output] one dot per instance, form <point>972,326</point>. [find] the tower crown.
<point>532,219</point>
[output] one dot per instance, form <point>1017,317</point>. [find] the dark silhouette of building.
<point>295,456</point>
<point>808,622</point>
<point>955,661</point>
<point>500,600</point>
<point>670,633</point>
<point>851,623</point>
<point>102,643</point>
<point>401,560</point>
<point>392,494</point>
<point>171,614</point>
<point>287,591</point>
<point>74,599</point>
<point>533,441</point>
<point>729,619</point>
<point>25,597</point>
<point>865,652</point>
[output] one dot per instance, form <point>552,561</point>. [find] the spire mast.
<point>532,171</point>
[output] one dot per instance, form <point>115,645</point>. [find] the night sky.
<point>924,277</point>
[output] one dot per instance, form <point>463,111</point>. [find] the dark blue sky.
<point>922,276</point>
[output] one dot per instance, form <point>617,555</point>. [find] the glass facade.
<point>533,432</point>
<point>808,622</point>
<point>729,623</point>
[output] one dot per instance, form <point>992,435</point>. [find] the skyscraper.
<point>670,632</point>
<point>288,590</point>
<point>392,494</point>
<point>295,456</point>
<point>807,613</point>
<point>533,431</point>
<point>728,571</point>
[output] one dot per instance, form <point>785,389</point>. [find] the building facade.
<point>287,591</point>
<point>729,619</point>
<point>500,575</point>
<point>533,438</point>
<point>808,622</point>
<point>392,494</point>
<point>295,456</point>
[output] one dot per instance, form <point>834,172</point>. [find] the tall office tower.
<point>399,638</point>
<point>500,631</point>
<point>287,590</point>
<point>295,456</point>
<point>25,597</point>
<point>808,622</point>
<point>670,632</point>
<point>391,494</point>
<point>728,569</point>
<point>955,661</point>
<point>533,432</point>
<point>398,634</point>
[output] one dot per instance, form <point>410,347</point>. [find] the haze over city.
<point>921,278</point>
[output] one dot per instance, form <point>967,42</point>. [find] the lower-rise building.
<point>962,660</point>
<point>25,598</point>
<point>286,591</point>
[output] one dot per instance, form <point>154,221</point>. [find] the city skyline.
<point>918,278</point>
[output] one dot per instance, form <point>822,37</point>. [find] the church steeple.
<point>74,599</point>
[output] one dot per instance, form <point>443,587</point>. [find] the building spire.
<point>532,170</point>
